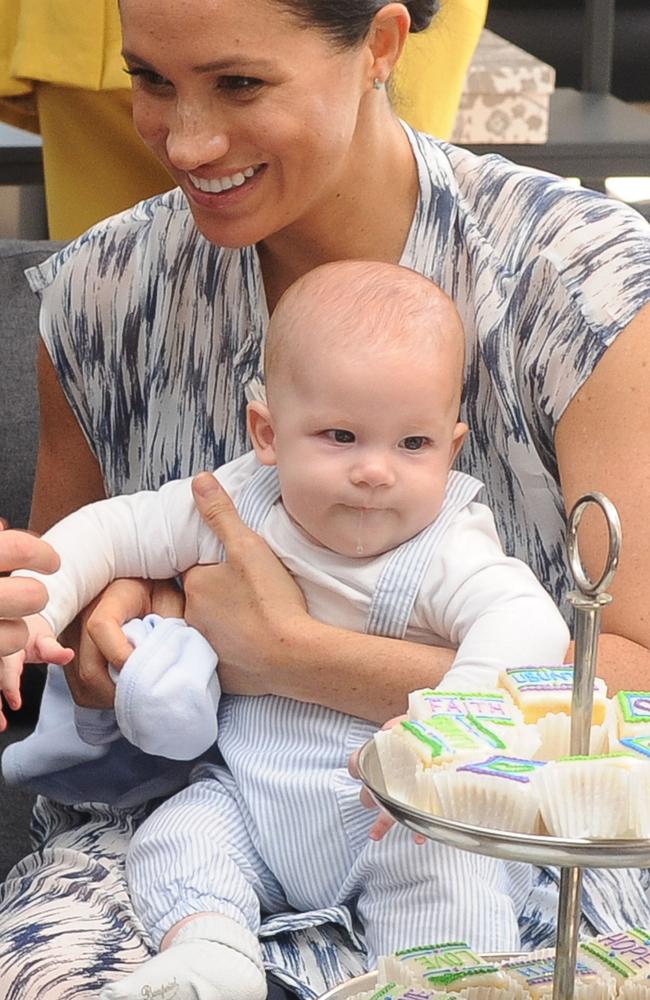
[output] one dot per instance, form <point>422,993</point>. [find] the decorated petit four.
<point>540,690</point>
<point>631,714</point>
<point>535,973</point>
<point>495,793</point>
<point>491,707</point>
<point>443,967</point>
<point>622,954</point>
<point>639,745</point>
<point>392,991</point>
<point>594,797</point>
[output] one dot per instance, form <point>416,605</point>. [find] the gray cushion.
<point>18,400</point>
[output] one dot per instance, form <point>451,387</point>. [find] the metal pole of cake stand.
<point>588,601</point>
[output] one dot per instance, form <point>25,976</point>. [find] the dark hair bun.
<point>422,13</point>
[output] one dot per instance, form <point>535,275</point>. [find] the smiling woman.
<point>294,121</point>
<point>61,74</point>
<point>153,325</point>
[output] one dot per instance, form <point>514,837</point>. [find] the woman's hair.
<point>348,21</point>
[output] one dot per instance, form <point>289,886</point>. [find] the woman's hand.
<point>244,606</point>
<point>99,640</point>
<point>21,596</point>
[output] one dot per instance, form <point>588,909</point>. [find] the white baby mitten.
<point>167,693</point>
<point>210,958</point>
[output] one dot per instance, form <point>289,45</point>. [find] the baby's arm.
<point>491,606</point>
<point>154,535</point>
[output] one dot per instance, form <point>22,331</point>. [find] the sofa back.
<point>18,395</point>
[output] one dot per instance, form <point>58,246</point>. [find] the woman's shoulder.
<point>518,213</point>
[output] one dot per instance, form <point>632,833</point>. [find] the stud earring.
<point>377,83</point>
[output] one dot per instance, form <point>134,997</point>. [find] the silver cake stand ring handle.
<point>584,582</point>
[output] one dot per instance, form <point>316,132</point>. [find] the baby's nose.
<point>373,470</point>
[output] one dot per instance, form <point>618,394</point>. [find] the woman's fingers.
<point>21,596</point>
<point>21,550</point>
<point>217,510</point>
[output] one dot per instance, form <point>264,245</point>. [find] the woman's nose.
<point>372,470</point>
<point>195,139</point>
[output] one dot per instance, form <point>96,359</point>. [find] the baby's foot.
<point>195,968</point>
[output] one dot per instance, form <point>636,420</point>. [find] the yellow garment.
<point>95,170</point>
<point>61,74</point>
<point>429,78</point>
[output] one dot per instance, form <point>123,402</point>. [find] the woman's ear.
<point>260,428</point>
<point>388,33</point>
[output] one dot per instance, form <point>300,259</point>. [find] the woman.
<point>274,120</point>
<point>62,74</point>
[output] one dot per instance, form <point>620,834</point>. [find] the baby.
<point>349,483</point>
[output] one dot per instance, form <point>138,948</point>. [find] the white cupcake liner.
<point>554,731</point>
<point>587,798</point>
<point>635,989</point>
<point>512,992</point>
<point>486,801</point>
<point>400,768</point>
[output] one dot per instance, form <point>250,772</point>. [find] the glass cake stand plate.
<point>369,981</point>
<point>508,846</point>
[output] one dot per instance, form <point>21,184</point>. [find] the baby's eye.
<point>414,443</point>
<point>340,436</point>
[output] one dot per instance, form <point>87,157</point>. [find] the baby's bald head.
<point>357,305</point>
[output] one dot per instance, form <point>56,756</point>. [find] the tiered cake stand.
<point>571,856</point>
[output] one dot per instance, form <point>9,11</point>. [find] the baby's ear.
<point>260,428</point>
<point>460,433</point>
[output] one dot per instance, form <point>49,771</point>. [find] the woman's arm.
<point>67,477</point>
<point>603,443</point>
<point>67,472</point>
<point>254,615</point>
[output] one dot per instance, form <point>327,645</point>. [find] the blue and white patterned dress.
<point>156,334</point>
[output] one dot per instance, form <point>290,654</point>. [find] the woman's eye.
<point>240,84</point>
<point>414,443</point>
<point>147,76</point>
<point>340,436</point>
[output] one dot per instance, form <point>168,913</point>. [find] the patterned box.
<point>506,95</point>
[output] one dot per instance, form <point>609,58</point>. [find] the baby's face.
<point>363,445</point>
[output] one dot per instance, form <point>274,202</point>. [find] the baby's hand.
<point>42,646</point>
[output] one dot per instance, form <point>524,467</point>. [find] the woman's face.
<point>253,114</point>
